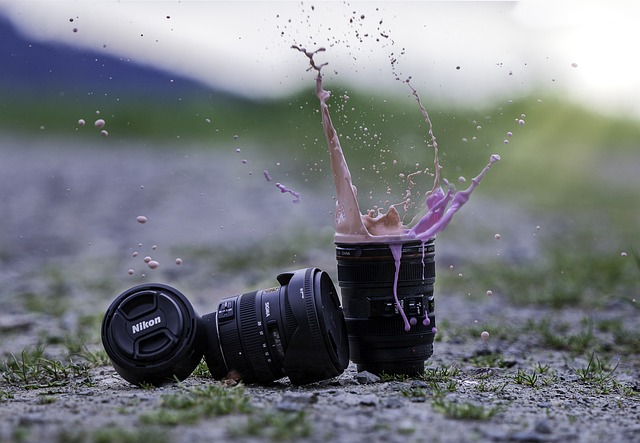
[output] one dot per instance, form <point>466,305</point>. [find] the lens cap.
<point>153,335</point>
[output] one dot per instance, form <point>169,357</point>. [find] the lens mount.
<point>152,334</point>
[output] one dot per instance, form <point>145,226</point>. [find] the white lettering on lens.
<point>145,324</point>
<point>267,309</point>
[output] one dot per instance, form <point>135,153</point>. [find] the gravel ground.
<point>69,231</point>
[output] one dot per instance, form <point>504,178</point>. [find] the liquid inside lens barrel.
<point>377,338</point>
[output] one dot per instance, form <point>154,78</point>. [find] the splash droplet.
<point>153,264</point>
<point>141,219</point>
<point>178,261</point>
<point>484,335</point>
<point>99,123</point>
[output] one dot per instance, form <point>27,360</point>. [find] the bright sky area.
<point>458,51</point>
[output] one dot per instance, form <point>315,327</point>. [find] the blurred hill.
<point>32,66</point>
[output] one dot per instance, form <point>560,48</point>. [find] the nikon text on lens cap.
<point>152,335</point>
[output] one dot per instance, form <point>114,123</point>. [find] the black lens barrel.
<point>377,336</point>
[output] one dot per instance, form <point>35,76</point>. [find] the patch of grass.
<point>464,410</point>
<point>558,337</point>
<point>490,360</point>
<point>484,386</point>
<point>112,434</point>
<point>194,404</point>
<point>415,392</point>
<point>275,425</point>
<point>202,370</point>
<point>393,377</point>
<point>598,373</point>
<point>527,379</point>
<point>34,370</point>
<point>571,272</point>
<point>441,379</point>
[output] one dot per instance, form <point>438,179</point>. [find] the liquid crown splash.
<point>351,226</point>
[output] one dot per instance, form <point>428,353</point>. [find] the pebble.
<point>368,400</point>
<point>366,377</point>
<point>294,402</point>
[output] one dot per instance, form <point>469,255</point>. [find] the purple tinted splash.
<point>284,189</point>
<point>396,250</point>
<point>442,208</point>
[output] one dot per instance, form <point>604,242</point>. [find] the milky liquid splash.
<point>354,227</point>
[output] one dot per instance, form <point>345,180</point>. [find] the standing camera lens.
<point>377,336</point>
<point>152,334</point>
<point>296,330</point>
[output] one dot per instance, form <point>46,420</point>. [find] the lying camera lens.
<point>377,338</point>
<point>297,330</point>
<point>152,335</point>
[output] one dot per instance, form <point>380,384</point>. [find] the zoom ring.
<point>256,350</point>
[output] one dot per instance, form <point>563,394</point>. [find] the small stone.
<point>543,427</point>
<point>292,402</point>
<point>366,377</point>
<point>397,403</point>
<point>368,400</point>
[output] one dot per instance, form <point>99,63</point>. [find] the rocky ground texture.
<point>70,230</point>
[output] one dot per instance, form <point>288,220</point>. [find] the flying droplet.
<point>484,335</point>
<point>99,123</point>
<point>153,264</point>
<point>178,261</point>
<point>141,219</point>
